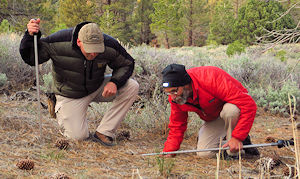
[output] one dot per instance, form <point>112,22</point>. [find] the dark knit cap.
<point>175,75</point>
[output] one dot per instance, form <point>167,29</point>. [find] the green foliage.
<point>48,80</point>
<point>3,79</point>
<point>3,6</point>
<point>58,27</point>
<point>141,21</point>
<point>72,12</point>
<point>116,21</point>
<point>5,26</point>
<point>276,100</point>
<point>165,166</point>
<point>256,17</point>
<point>281,55</point>
<point>195,20</point>
<point>48,12</point>
<point>54,155</point>
<point>235,48</point>
<point>166,22</point>
<point>221,23</point>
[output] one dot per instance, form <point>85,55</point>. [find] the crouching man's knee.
<point>77,135</point>
<point>133,86</point>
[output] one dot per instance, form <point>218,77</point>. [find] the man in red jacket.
<point>220,100</point>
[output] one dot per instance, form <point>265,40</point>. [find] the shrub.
<point>276,100</point>
<point>3,79</point>
<point>235,48</point>
<point>18,73</point>
<point>47,86</point>
<point>5,27</point>
<point>256,16</point>
<point>281,55</point>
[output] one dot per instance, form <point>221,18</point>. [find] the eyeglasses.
<point>172,92</point>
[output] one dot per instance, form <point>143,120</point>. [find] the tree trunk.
<point>142,36</point>
<point>190,28</point>
<point>167,40</point>
<point>236,8</point>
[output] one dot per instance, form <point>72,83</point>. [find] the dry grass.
<point>19,139</point>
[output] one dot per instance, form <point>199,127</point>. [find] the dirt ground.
<point>20,139</point>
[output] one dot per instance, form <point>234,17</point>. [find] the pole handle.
<point>284,143</point>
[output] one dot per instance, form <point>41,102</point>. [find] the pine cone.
<point>25,164</point>
<point>286,171</point>
<point>60,176</point>
<point>270,139</point>
<point>276,159</point>
<point>62,144</point>
<point>123,135</point>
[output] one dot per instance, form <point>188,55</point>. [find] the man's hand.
<point>33,26</point>
<point>234,145</point>
<point>167,156</point>
<point>110,89</point>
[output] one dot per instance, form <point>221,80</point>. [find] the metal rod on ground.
<point>37,82</point>
<point>280,143</point>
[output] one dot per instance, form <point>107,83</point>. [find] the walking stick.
<point>279,144</point>
<point>37,82</point>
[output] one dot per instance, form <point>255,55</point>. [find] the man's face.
<point>88,56</point>
<point>179,94</point>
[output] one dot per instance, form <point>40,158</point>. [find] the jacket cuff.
<point>117,83</point>
<point>39,34</point>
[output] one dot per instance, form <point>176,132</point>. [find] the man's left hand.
<point>234,145</point>
<point>110,89</point>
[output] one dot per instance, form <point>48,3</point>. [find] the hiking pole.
<point>37,81</point>
<point>279,143</point>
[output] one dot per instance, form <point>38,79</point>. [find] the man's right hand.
<point>168,156</point>
<point>33,26</point>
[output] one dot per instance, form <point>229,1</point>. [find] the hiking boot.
<point>103,139</point>
<point>250,151</point>
<point>225,156</point>
<point>51,99</point>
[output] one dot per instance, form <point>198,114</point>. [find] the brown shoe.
<point>103,139</point>
<point>51,104</point>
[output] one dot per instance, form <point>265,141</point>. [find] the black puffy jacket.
<point>74,76</point>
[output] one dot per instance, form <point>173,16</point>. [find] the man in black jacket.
<point>79,58</point>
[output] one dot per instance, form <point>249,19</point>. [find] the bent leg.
<point>71,116</point>
<point>209,136</point>
<point>120,106</point>
<point>230,114</point>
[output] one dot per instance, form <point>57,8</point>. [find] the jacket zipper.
<point>91,70</point>
<point>196,106</point>
<point>84,63</point>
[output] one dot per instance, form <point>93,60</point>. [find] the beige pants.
<point>72,113</point>
<point>211,132</point>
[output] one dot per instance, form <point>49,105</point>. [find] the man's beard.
<point>183,98</point>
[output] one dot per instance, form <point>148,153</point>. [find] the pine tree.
<point>166,22</point>
<point>141,21</point>
<point>195,21</point>
<point>221,23</point>
<point>116,21</point>
<point>256,17</point>
<point>72,12</point>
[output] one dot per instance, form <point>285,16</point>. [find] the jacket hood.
<point>75,33</point>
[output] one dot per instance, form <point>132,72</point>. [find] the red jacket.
<point>212,88</point>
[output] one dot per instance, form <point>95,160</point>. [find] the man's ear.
<point>78,42</point>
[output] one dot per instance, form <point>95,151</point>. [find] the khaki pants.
<point>72,113</point>
<point>211,132</point>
